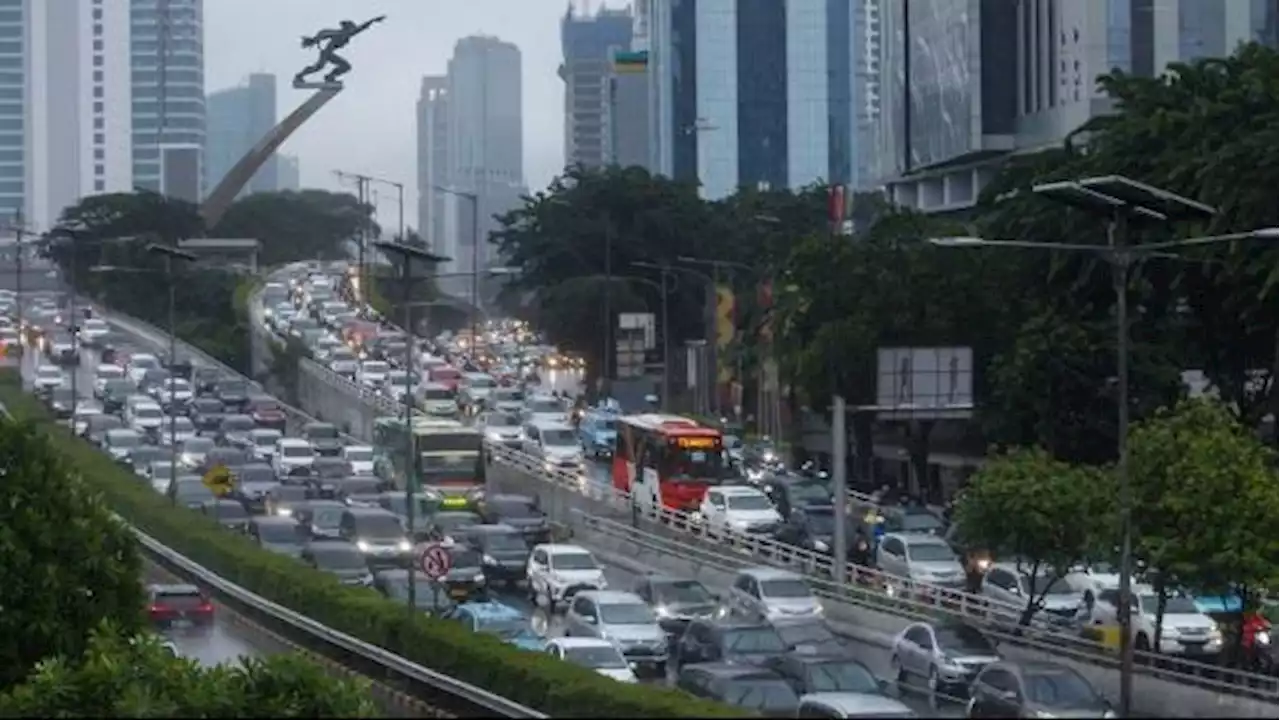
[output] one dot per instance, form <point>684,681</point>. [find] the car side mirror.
<point>590,619</point>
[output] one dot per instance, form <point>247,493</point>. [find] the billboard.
<point>925,382</point>
<point>726,328</point>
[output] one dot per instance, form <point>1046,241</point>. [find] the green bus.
<point>447,456</point>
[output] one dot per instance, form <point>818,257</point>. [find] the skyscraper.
<point>237,120</point>
<point>485,145</point>
<point>964,83</point>
<point>754,92</point>
<point>289,173</point>
<point>588,43</point>
<point>166,51</point>
<point>433,158</point>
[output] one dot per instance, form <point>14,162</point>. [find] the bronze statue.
<point>333,40</point>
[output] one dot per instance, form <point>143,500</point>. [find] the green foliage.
<point>556,688</point>
<point>1204,493</point>
<point>1043,514</point>
<point>296,225</point>
<point>120,677</point>
<point>67,564</point>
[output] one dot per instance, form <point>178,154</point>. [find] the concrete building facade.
<point>433,158</point>
<point>237,119</point>
<point>589,43</point>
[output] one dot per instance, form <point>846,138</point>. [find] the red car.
<point>179,606</point>
<point>267,413</point>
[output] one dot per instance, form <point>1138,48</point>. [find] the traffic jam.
<point>715,479</point>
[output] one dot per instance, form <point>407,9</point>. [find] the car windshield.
<point>238,423</point>
<point>144,362</point>
<point>520,509</point>
<point>49,372</point>
<point>198,445</point>
<point>379,527</point>
<point>449,522</point>
<point>464,558</point>
<point>626,614</point>
<point>558,438</point>
<point>298,451</point>
<point>266,439</point>
<point>376,368</point>
<point>761,694</point>
<point>180,424</point>
<point>805,633</point>
<point>109,372</point>
<point>232,387</point>
<point>437,393</point>
<point>62,395</point>
<point>1047,585</point>
<point>322,432</point>
<point>573,561</point>
<point>930,552</point>
<point>785,588</point>
<point>681,591</point>
<point>360,485</point>
<point>749,502</point>
<point>545,407</point>
<point>763,640</point>
<point>124,440</point>
<point>505,542</point>
<point>842,676</point>
<point>604,657</point>
<point>338,558</point>
<point>359,454</point>
<point>483,383</point>
<point>161,468</point>
<point>278,533</point>
<point>147,412</point>
<point>810,493</point>
<point>1059,688</point>
<point>508,395</point>
<point>963,639</point>
<point>503,420</point>
<point>504,627</point>
<point>1173,604</point>
<point>919,522</point>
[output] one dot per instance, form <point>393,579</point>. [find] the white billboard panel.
<point>924,380</point>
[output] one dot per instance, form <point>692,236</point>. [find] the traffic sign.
<point>435,561</point>
<point>219,480</point>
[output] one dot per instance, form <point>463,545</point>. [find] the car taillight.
<point>206,607</point>
<point>158,609</point>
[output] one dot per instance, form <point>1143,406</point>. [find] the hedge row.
<point>533,679</point>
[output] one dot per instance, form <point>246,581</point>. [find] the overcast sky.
<point>369,128</point>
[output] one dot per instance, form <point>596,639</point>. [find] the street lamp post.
<point>171,254</point>
<point>474,199</point>
<point>1119,199</point>
<point>408,254</point>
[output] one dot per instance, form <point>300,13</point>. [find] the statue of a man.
<point>334,40</point>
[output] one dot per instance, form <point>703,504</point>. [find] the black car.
<point>447,524</point>
<point>114,395</point>
<point>233,392</point>
<point>340,558</point>
<point>810,673</point>
<point>677,601</point>
<point>205,380</point>
<point>253,482</point>
<point>393,584</point>
<point>790,493</point>
<point>518,511</point>
<point>182,368</point>
<point>727,640</point>
<point>61,400</point>
<point>227,513</point>
<point>276,534</point>
<point>505,551</point>
<point>282,500</point>
<point>1035,688</point>
<point>206,414</point>
<point>812,635</point>
<point>324,437</point>
<point>331,468</point>
<point>813,527</point>
<point>756,690</point>
<point>320,519</point>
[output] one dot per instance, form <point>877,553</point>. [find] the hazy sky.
<point>370,127</point>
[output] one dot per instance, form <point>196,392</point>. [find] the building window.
<point>97,13</point>
<point>97,123</point>
<point>97,91</point>
<point>97,29</point>
<point>97,107</point>
<point>97,76</point>
<point>99,154</point>
<point>97,46</point>
<point>97,61</point>
<point>99,170</point>
<point>99,186</point>
<point>99,139</point>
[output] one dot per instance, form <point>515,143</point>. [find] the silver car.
<point>945,657</point>
<point>770,594</point>
<point>623,618</point>
<point>920,558</point>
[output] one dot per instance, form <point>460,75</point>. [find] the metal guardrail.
<point>909,598</point>
<point>484,702</point>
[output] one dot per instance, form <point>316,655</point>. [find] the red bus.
<point>668,459</point>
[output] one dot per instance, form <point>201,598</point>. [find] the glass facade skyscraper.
<point>237,118</point>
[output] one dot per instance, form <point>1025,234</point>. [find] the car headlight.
<point>404,546</point>
<point>362,546</point>
<point>478,577</point>
<point>821,546</point>
<point>284,512</point>
<point>983,564</point>
<point>662,611</point>
<point>1215,634</point>
<point>489,560</point>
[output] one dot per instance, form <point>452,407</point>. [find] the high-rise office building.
<point>166,51</point>
<point>754,92</point>
<point>237,119</point>
<point>964,83</point>
<point>289,173</point>
<point>433,157</point>
<point>485,147</point>
<point>589,43</point>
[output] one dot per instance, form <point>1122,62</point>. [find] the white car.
<point>292,453</point>
<point>263,443</point>
<point>104,374</point>
<point>1184,629</point>
<point>360,457</point>
<point>49,377</point>
<point>85,409</point>
<point>173,391</point>
<point>1009,587</point>
<point>557,571</point>
<point>139,364</point>
<point>772,594</point>
<point>182,431</point>
<point>600,655</point>
<point>144,416</point>
<point>741,508</point>
<point>544,408</point>
<point>920,558</point>
<point>555,443</point>
<point>839,704</point>
<point>372,373</point>
<point>343,362</point>
<point>193,451</point>
<point>1089,580</point>
<point>93,330</point>
<point>438,400</point>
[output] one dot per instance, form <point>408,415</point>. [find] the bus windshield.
<point>694,459</point>
<point>466,441</point>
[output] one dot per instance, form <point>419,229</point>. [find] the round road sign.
<point>435,561</point>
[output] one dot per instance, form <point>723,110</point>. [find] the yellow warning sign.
<point>219,480</point>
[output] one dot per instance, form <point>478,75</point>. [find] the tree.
<point>1204,503</point>
<point>297,225</point>
<point>560,236</point>
<point>1041,513</point>
<point>67,563</point>
<point>119,677</point>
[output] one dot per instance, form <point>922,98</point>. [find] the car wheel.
<point>1142,643</point>
<point>898,673</point>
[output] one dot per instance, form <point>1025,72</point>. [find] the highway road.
<point>226,641</point>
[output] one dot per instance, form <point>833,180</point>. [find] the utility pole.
<point>364,196</point>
